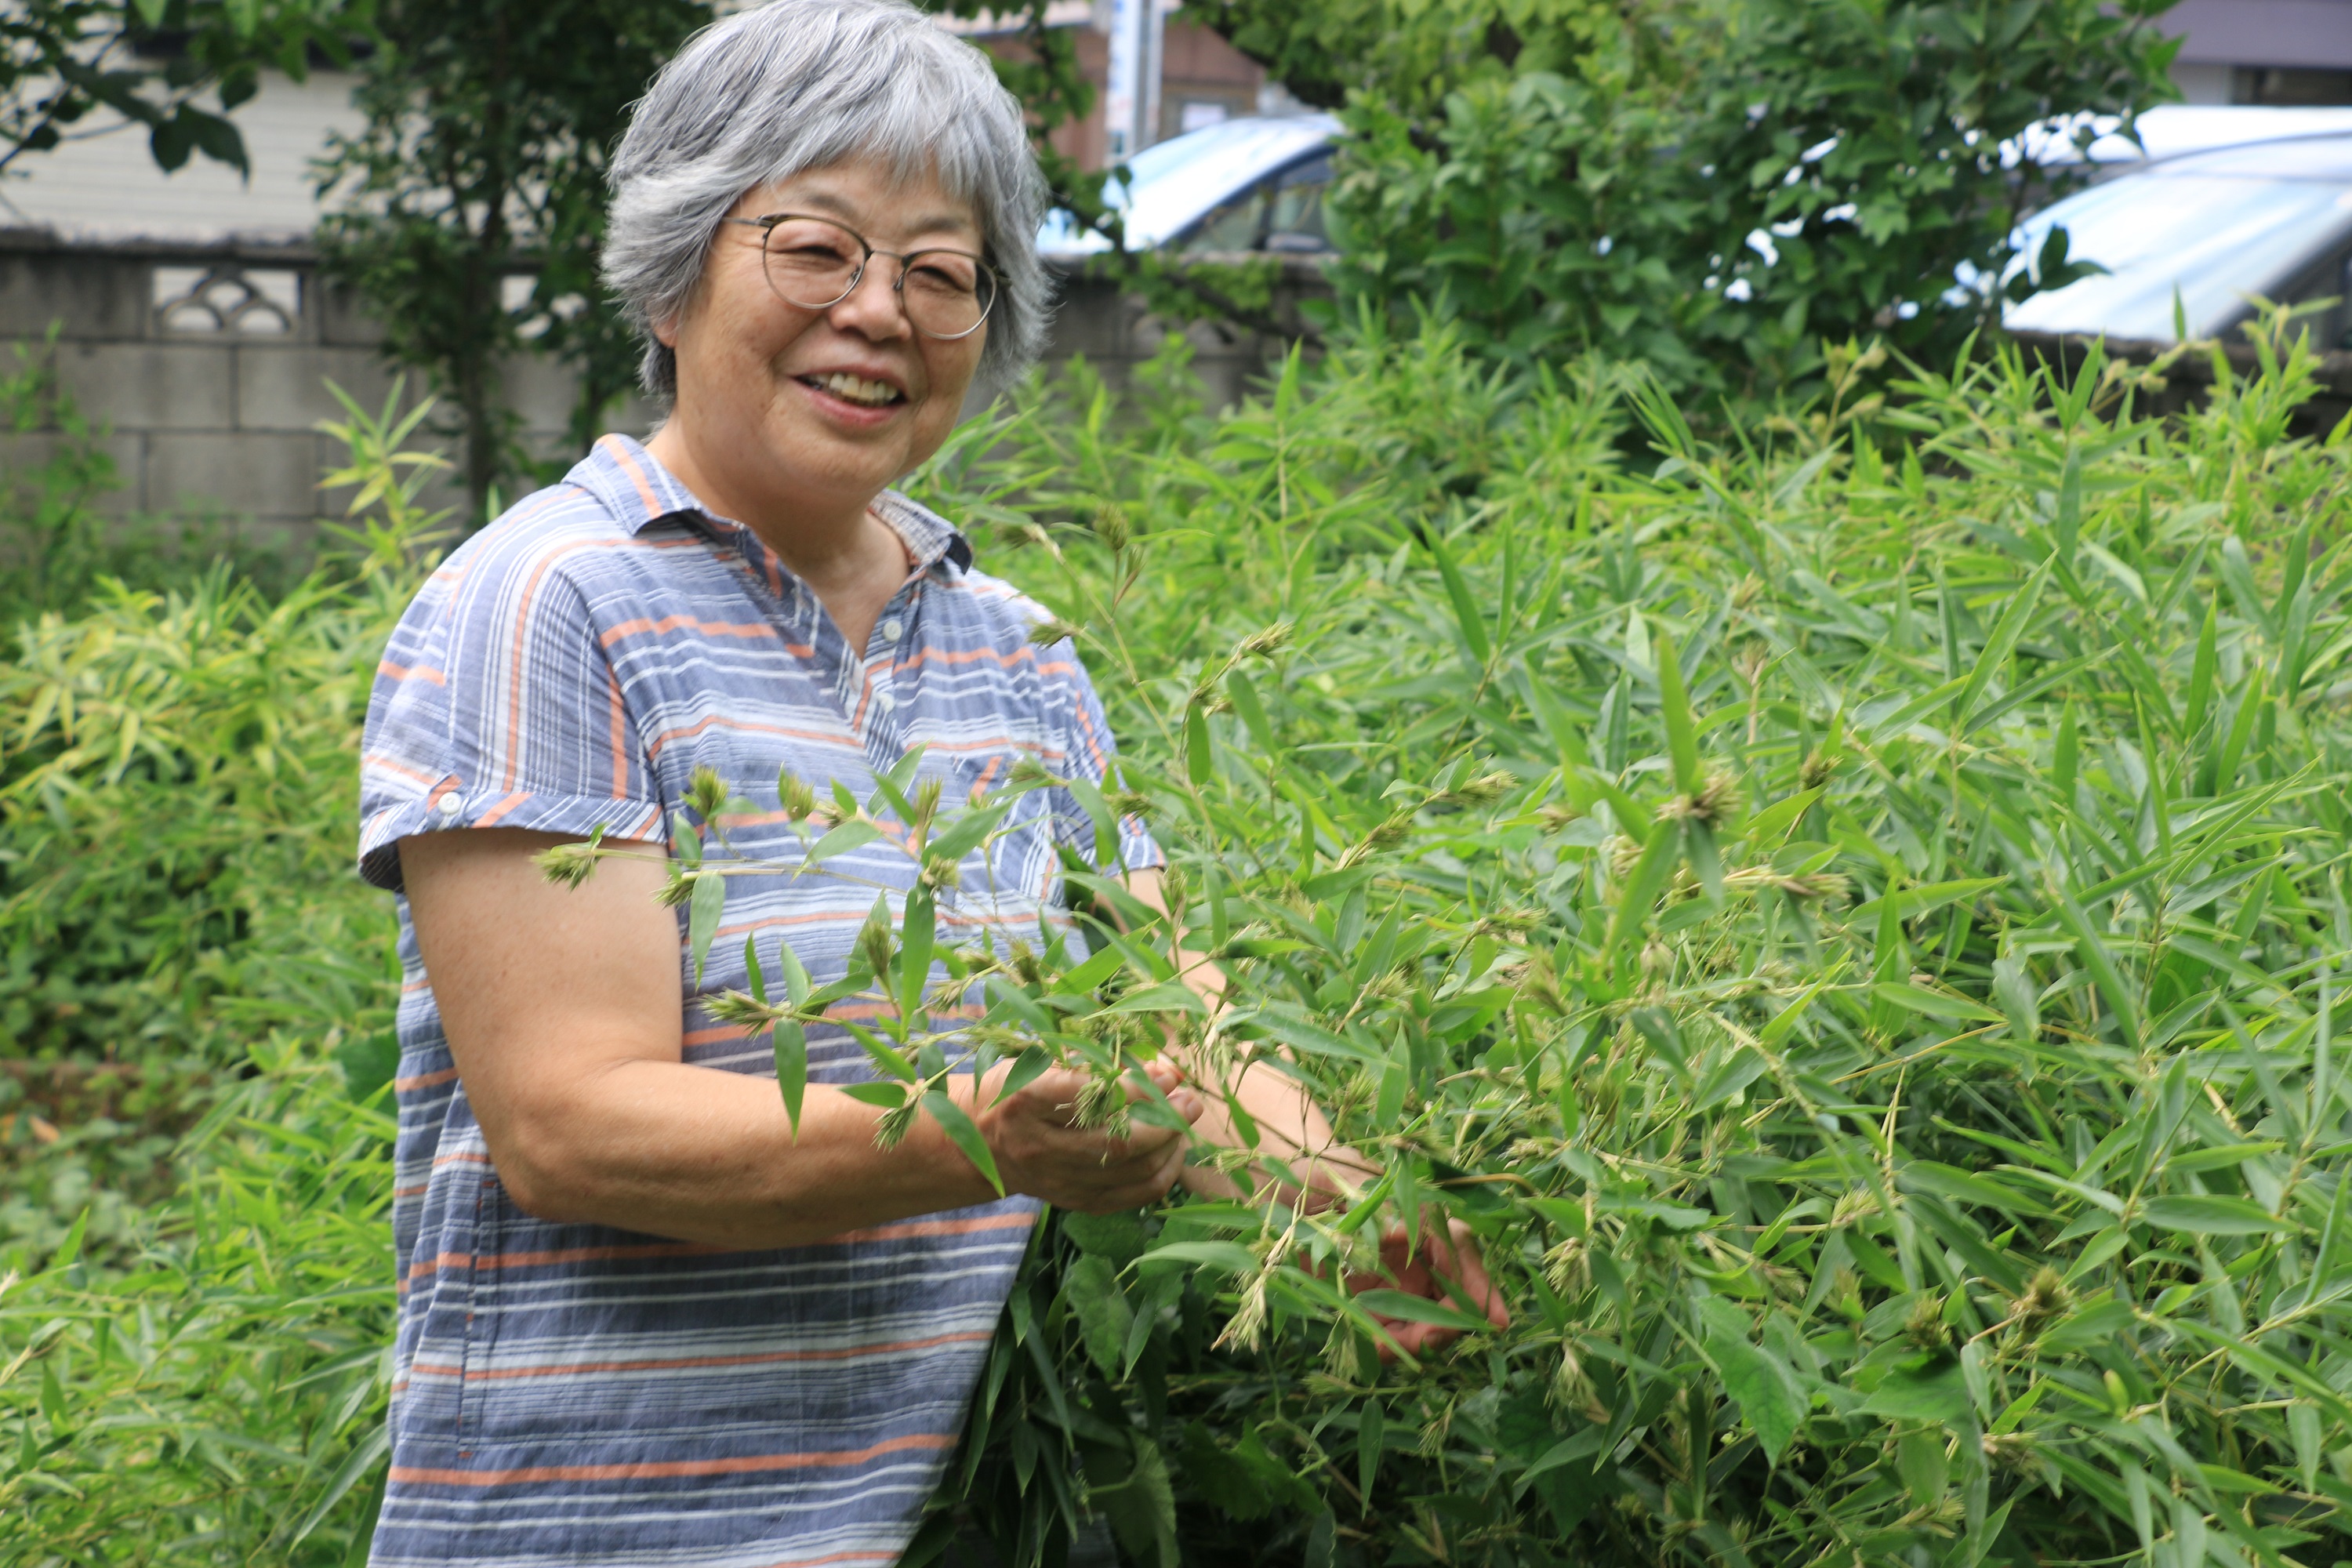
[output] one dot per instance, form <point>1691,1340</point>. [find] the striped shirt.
<point>574,1395</point>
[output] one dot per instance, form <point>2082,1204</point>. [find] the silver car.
<point>1240,185</point>
<point>2190,236</point>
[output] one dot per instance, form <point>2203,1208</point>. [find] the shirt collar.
<point>634,488</point>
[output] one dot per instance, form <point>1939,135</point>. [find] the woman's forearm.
<point>710,1156</point>
<point>1290,1127</point>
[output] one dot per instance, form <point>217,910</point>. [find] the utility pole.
<point>1131,95</point>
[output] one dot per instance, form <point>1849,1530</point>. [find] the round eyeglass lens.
<point>813,264</point>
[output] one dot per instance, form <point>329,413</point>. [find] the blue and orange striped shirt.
<point>573,1394</point>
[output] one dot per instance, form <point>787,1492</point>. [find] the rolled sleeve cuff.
<point>1138,850</point>
<point>452,806</point>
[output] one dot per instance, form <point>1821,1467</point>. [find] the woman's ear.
<point>666,332</point>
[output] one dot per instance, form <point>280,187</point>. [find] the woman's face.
<point>792,411</point>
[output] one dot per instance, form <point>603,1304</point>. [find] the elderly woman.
<point>641,1321</point>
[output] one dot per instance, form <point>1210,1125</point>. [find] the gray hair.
<point>796,85</point>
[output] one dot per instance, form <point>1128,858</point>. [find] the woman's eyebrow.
<point>927,222</point>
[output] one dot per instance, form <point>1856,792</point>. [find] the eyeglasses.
<point>816,263</point>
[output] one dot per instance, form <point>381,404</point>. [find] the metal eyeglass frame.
<point>905,259</point>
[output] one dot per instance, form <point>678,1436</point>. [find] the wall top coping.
<point>280,248</point>
<point>294,247</point>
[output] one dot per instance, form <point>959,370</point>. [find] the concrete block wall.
<point>207,366</point>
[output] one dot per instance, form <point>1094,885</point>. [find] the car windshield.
<point>2214,229</point>
<point>1173,185</point>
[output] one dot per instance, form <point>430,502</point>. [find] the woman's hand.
<point>1041,1151</point>
<point>1422,1271</point>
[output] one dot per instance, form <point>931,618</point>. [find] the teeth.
<point>857,389</point>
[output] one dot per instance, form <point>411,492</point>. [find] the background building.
<point>2283,52</point>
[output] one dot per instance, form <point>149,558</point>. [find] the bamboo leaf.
<point>2015,616</point>
<point>2205,1215</point>
<point>708,901</point>
<point>1674,710</point>
<point>1467,615</point>
<point>964,1135</point>
<point>791,1043</point>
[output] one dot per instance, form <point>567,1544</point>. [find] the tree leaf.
<point>1092,1289</point>
<point>964,835</point>
<point>1407,1309</point>
<point>1674,710</point>
<point>841,840</point>
<point>1767,1390</point>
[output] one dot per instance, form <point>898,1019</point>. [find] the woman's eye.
<point>953,280</point>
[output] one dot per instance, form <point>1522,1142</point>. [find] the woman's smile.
<point>849,387</point>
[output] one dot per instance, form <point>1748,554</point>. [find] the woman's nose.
<point>873,310</point>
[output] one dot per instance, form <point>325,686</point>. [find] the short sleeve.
<point>1086,753</point>
<point>495,705</point>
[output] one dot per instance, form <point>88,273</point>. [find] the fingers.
<point>1054,1094</point>
<point>1467,1267</point>
<point>1444,1256</point>
<point>1045,1153</point>
<point>1148,1190</point>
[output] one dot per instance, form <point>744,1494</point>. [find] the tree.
<point>150,62</point>
<point>488,125</point>
<point>1713,186</point>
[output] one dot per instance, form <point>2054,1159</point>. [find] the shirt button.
<point>450,805</point>
<point>885,701</point>
<point>893,629</point>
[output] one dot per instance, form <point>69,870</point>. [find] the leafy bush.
<point>206,1378</point>
<point>1854,928</point>
<point>218,1395</point>
<point>175,797</point>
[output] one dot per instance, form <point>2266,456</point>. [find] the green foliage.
<point>488,126</point>
<point>1409,54</point>
<point>176,786</point>
<point>1856,931</point>
<point>1562,178</point>
<point>218,1395</point>
<point>203,1379</point>
<point>1038,62</point>
<point>54,533</point>
<point>1858,937</point>
<point>63,60</point>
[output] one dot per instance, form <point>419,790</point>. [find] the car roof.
<point>2179,130</point>
<point>2211,229</point>
<point>1175,184</point>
